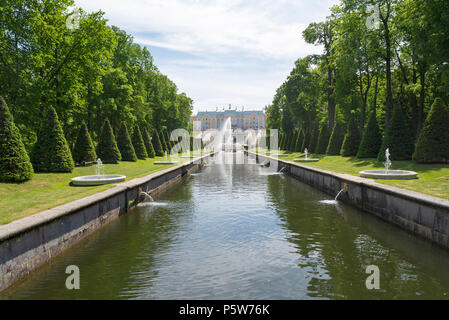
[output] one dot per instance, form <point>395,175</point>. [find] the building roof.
<point>229,113</point>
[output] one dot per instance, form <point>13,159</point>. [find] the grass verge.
<point>433,178</point>
<point>48,190</point>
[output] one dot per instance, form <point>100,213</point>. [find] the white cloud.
<point>245,40</point>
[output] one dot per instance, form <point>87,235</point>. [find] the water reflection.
<point>240,231</point>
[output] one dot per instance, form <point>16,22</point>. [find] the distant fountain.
<point>99,167</point>
<point>166,161</point>
<point>388,174</point>
<point>387,162</point>
<point>306,157</point>
<point>99,179</point>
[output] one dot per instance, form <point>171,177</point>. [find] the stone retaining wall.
<point>27,243</point>
<point>421,214</point>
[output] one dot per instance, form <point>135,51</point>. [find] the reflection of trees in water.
<point>335,251</point>
<point>119,261</point>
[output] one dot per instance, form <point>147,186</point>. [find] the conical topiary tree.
<point>300,141</point>
<point>125,145</point>
<point>107,149</point>
<point>84,150</point>
<point>351,142</point>
<point>293,141</point>
<point>281,140</point>
<point>371,140</point>
<point>163,142</point>
<point>433,141</point>
<point>313,141</point>
<point>336,139</point>
<point>288,140</point>
<point>15,164</point>
<point>267,139</point>
<point>51,152</point>
<point>148,144</point>
<point>158,149</point>
<point>138,144</point>
<point>323,139</point>
<point>398,138</point>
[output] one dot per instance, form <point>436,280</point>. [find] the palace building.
<point>251,119</point>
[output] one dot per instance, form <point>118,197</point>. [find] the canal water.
<point>240,231</point>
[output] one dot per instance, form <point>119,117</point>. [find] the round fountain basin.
<point>389,174</point>
<point>166,162</point>
<point>97,180</point>
<point>306,160</point>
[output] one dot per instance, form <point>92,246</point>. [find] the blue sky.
<point>219,52</point>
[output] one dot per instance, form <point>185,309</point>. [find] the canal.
<point>240,231</point>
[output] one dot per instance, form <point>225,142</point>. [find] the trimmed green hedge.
<point>433,141</point>
<point>125,145</point>
<point>138,144</point>
<point>84,150</point>
<point>51,152</point>
<point>323,139</point>
<point>107,149</point>
<point>371,140</point>
<point>336,139</point>
<point>300,141</point>
<point>398,138</point>
<point>148,144</point>
<point>352,139</point>
<point>313,141</point>
<point>15,164</point>
<point>158,149</point>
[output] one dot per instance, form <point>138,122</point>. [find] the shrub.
<point>158,149</point>
<point>51,152</point>
<point>371,140</point>
<point>15,164</point>
<point>125,145</point>
<point>267,139</point>
<point>163,142</point>
<point>107,149</point>
<point>398,138</point>
<point>336,139</point>
<point>313,141</point>
<point>148,144</point>
<point>288,140</point>
<point>323,139</point>
<point>300,141</point>
<point>351,142</point>
<point>292,145</point>
<point>84,150</point>
<point>138,144</point>
<point>281,141</point>
<point>433,141</point>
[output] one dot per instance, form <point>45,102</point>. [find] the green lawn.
<point>48,190</point>
<point>433,178</point>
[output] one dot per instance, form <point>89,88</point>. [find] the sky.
<point>219,52</point>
